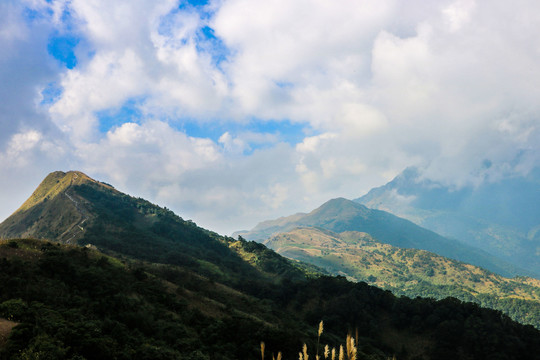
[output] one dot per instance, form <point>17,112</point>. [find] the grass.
<point>408,272</point>
<point>347,351</point>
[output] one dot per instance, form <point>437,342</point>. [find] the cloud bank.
<point>234,111</point>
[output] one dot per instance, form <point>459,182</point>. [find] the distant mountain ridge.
<point>501,217</point>
<point>339,215</point>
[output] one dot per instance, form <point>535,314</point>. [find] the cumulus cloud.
<point>24,62</point>
<point>194,176</point>
<point>141,49</point>
<point>448,86</point>
<point>30,144</point>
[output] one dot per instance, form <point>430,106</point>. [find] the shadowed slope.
<point>501,217</point>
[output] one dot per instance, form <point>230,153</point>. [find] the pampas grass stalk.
<point>319,333</point>
<point>351,348</point>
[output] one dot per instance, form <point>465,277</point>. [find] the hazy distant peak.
<point>338,206</point>
<point>500,217</point>
<point>338,203</point>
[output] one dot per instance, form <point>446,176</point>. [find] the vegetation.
<point>350,350</point>
<point>410,272</point>
<point>159,287</point>
<point>73,303</point>
<point>76,303</point>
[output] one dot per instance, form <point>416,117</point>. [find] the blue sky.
<point>63,44</point>
<point>232,112</point>
<point>62,48</point>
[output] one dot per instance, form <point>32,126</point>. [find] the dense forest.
<point>75,303</point>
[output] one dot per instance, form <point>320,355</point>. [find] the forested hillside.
<point>410,272</point>
<point>135,281</point>
<point>74,303</point>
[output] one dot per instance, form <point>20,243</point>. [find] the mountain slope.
<point>73,208</point>
<point>501,217</point>
<point>167,289</point>
<point>339,215</point>
<point>410,272</point>
<point>53,211</point>
<point>71,302</point>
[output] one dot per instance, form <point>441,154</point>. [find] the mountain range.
<point>501,216</point>
<point>340,215</point>
<point>88,272</point>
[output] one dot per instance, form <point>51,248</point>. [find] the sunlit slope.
<point>340,215</point>
<point>54,211</point>
<point>73,208</point>
<point>410,272</point>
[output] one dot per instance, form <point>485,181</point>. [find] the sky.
<point>231,112</point>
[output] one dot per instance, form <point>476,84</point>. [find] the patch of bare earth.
<point>5,329</point>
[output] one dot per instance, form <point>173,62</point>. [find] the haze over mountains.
<point>347,238</point>
<point>501,217</point>
<point>160,287</point>
<point>340,215</point>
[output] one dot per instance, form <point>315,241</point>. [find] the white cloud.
<point>193,175</point>
<point>22,142</point>
<point>279,57</point>
<point>458,14</point>
<point>379,86</point>
<point>146,153</point>
<point>141,49</point>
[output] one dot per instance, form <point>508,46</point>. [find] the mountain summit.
<point>55,210</point>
